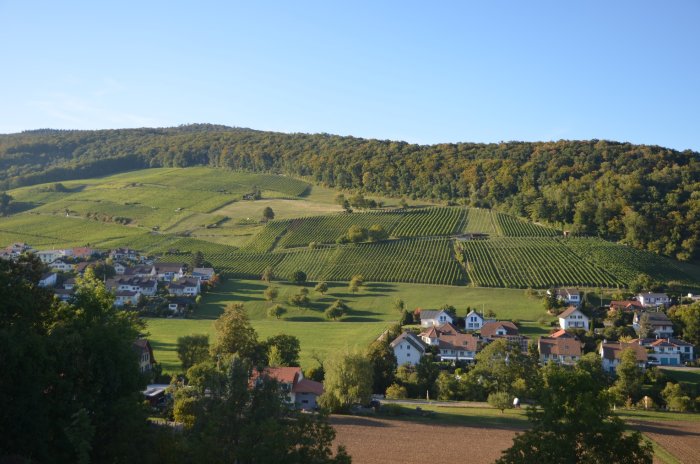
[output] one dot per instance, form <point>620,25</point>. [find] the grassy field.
<point>370,313</point>
<point>683,374</point>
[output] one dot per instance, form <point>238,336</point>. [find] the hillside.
<point>177,212</point>
<point>644,196</point>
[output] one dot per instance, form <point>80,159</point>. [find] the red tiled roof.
<point>308,386</point>
<point>488,330</point>
<point>282,374</point>
<point>561,333</point>
<point>568,312</point>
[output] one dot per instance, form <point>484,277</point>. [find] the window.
<point>408,355</point>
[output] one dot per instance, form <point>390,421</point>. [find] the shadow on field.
<point>304,319</point>
<point>662,429</point>
<point>355,420</point>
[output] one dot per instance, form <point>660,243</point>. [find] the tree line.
<point>646,196</point>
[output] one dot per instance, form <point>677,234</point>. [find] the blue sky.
<point>424,72</point>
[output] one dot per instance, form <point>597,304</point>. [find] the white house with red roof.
<point>611,353</point>
<point>452,344</point>
<point>301,392</point>
<point>561,349</point>
<point>667,351</point>
<point>573,318</point>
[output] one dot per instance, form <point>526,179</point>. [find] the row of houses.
<point>573,297</point>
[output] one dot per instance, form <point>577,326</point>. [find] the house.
<point>64,294</point>
<point>126,297</point>
<point>83,252</point>
<point>408,349</point>
<point>429,318</point>
<point>120,254</point>
<point>563,349</point>
<point>569,296</point>
<point>145,353</point>
<point>120,268</point>
<point>626,305</point>
<point>611,354</point>
<point>48,280</point>
<point>49,256</point>
<point>16,250</point>
<point>493,330</point>
<point>141,271</point>
<point>452,344</point>
<point>148,287</point>
<point>561,333</point>
<point>205,274</point>
<point>69,284</point>
<point>61,265</point>
<point>300,392</point>
<point>667,351</point>
<point>653,299</point>
<point>187,286</point>
<point>178,305</point>
<point>473,321</point>
<point>80,267</point>
<point>573,318</point>
<point>659,323</point>
<point>169,271</point>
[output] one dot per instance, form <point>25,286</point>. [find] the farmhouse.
<point>659,323</point>
<point>451,343</point>
<point>431,318</point>
<point>145,353</point>
<point>653,299</point>
<point>564,349</point>
<point>573,318</point>
<point>612,353</point>
<point>408,349</point>
<point>300,392</point>
<point>569,296</point>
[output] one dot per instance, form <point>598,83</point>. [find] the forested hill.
<point>646,196</point>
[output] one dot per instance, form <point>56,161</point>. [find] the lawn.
<point>370,312</point>
<point>683,374</point>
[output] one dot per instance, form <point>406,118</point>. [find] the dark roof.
<point>459,341</point>
<point>140,345</point>
<point>411,338</point>
<point>168,267</point>
<point>430,314</point>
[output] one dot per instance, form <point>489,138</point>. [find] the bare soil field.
<point>679,438</point>
<point>382,441</point>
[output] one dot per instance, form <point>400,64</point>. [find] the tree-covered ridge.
<point>646,196</point>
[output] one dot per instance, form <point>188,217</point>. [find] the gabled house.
<point>126,297</point>
<point>83,252</point>
<point>169,271</point>
<point>573,318</point>
<point>611,354</point>
<point>205,274</point>
<point>300,392</point>
<point>473,321</point>
<point>48,280</point>
<point>408,349</point>
<point>69,284</point>
<point>653,300</point>
<point>667,351</point>
<point>626,305</point>
<point>120,254</point>
<point>120,268</point>
<point>451,343</point>
<point>16,250</point>
<point>563,349</point>
<point>661,325</point>
<point>64,294</point>
<point>80,267</point>
<point>569,296</point>
<point>49,256</point>
<point>61,265</point>
<point>429,318</point>
<point>187,286</point>
<point>143,271</point>
<point>145,353</point>
<point>493,330</point>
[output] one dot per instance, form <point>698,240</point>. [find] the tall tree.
<point>348,380</point>
<point>288,348</point>
<point>235,334</point>
<point>192,349</point>
<point>384,364</point>
<point>630,377</point>
<point>268,214</point>
<point>574,424</point>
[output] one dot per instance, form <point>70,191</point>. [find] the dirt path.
<point>680,438</point>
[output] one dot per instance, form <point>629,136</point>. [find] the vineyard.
<point>529,262</point>
<point>626,262</point>
<point>511,226</point>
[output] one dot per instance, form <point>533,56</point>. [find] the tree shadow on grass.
<point>305,319</point>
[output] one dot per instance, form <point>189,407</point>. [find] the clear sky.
<point>425,72</point>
